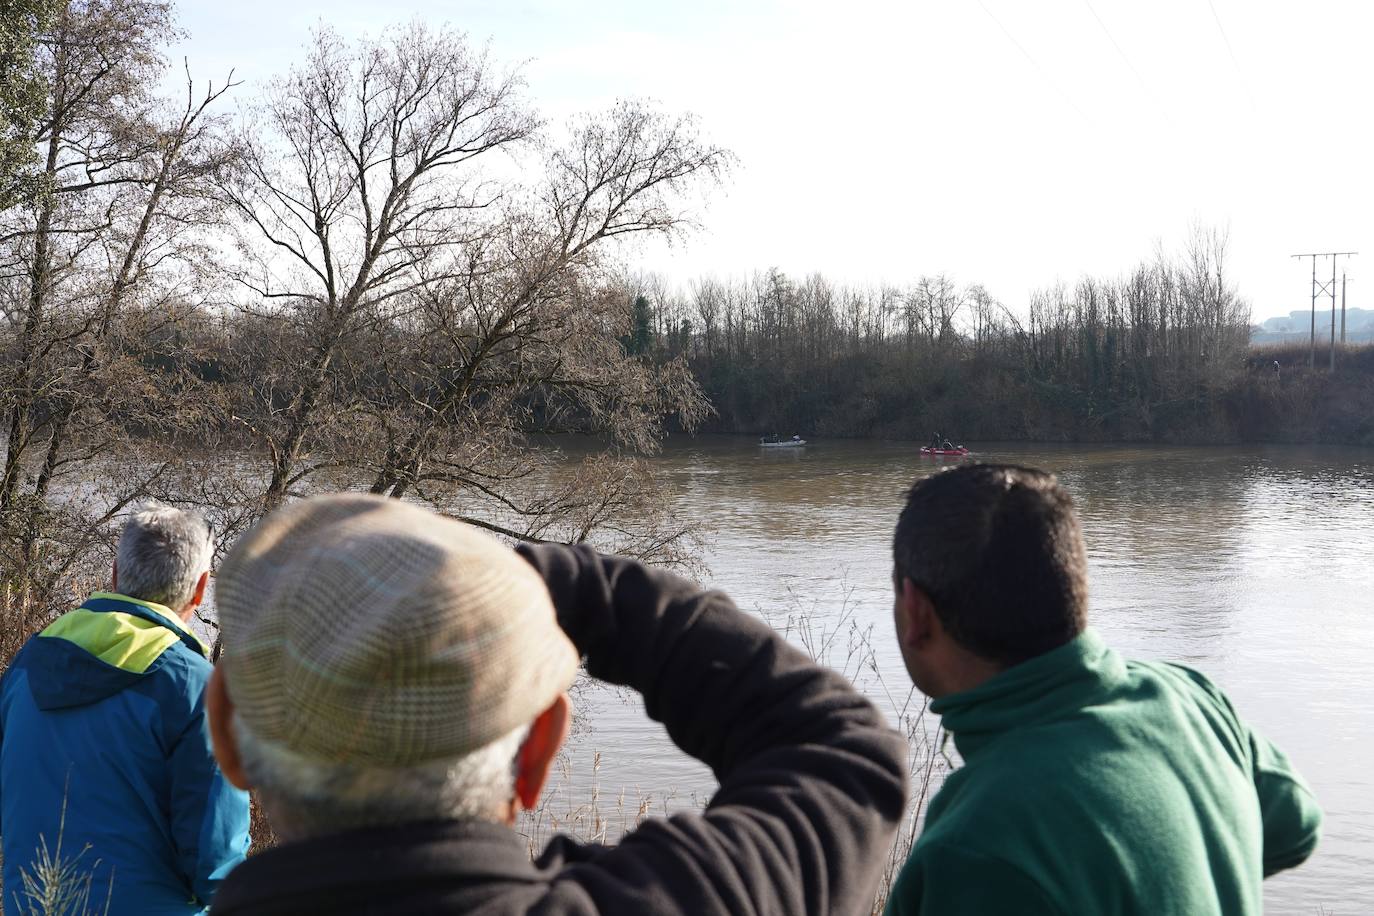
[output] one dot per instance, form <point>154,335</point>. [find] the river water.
<point>1254,565</point>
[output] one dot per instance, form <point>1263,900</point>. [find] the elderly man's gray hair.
<point>308,798</point>
<point>162,554</point>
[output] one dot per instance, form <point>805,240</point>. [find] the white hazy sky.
<point>1007,142</point>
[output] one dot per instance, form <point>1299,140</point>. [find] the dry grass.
<point>840,642</point>
<point>25,610</point>
<point>56,883</point>
<point>596,817</point>
<point>260,833</point>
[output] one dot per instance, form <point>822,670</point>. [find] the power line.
<point>1127,61</point>
<point>1224,37</point>
<point>1240,75</point>
<point>1036,64</point>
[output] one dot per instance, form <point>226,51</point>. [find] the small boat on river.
<point>956,451</point>
<point>776,442</point>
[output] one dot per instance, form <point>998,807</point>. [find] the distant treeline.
<point>1162,354</point>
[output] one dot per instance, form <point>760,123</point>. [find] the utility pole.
<point>1332,367</point>
<point>1342,308</point>
<point>1324,289</point>
<point>1312,347</point>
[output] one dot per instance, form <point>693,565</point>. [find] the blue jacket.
<point>103,745</point>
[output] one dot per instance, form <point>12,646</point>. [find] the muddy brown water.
<point>1254,565</point>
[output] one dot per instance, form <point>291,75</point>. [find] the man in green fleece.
<point>1091,784</point>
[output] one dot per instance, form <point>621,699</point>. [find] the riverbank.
<point>1256,401</point>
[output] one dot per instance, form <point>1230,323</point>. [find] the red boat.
<point>957,451</point>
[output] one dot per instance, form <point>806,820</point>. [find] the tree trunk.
<point>39,278</point>
<point>302,414</point>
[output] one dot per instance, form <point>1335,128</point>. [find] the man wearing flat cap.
<point>394,686</point>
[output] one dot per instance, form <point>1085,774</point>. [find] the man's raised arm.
<point>812,782</point>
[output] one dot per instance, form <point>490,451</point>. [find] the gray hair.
<point>162,554</point>
<point>310,798</point>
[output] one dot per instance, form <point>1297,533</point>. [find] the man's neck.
<point>184,614</point>
<point>966,672</point>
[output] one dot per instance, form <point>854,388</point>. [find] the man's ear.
<point>540,749</point>
<point>201,584</point>
<point>919,621</point>
<point>219,712</point>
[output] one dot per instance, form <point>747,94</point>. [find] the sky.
<point>1013,143</point>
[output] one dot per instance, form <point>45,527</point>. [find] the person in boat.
<point>935,442</point>
<point>394,683</point>
<point>1090,783</point>
<point>948,446</point>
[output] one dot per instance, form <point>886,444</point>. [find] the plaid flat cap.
<point>360,629</point>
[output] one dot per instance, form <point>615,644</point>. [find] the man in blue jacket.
<point>105,763</point>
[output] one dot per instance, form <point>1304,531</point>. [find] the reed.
<point>578,805</point>
<point>56,883</point>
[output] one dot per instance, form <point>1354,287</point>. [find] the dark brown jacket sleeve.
<point>812,782</point>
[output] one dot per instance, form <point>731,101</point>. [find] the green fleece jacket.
<point>1096,785</point>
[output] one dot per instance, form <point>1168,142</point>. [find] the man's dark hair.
<point>998,550</point>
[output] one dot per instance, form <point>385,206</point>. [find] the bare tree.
<point>22,24</point>
<point>93,269</point>
<point>362,179</point>
<point>433,306</point>
<point>522,317</point>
